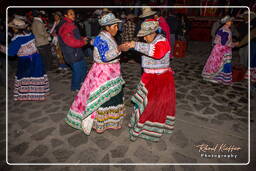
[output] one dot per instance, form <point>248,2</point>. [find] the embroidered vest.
<point>150,49</point>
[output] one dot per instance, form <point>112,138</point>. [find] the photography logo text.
<point>218,151</point>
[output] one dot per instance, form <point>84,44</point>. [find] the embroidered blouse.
<point>156,54</point>
<point>224,37</point>
<point>22,45</point>
<point>105,48</point>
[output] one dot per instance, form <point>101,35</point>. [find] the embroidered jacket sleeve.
<point>13,48</point>
<point>67,34</point>
<point>107,49</point>
<point>155,50</point>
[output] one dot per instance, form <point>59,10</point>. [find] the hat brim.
<point>147,14</point>
<point>143,33</point>
<point>114,21</point>
<point>17,27</point>
<point>229,19</point>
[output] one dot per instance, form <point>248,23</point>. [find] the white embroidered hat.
<point>108,19</point>
<point>147,27</point>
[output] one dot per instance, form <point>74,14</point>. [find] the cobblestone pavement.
<point>206,113</point>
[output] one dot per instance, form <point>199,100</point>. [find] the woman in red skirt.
<point>155,99</point>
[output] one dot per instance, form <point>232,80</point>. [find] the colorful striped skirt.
<point>31,82</point>
<point>100,100</point>
<point>218,68</point>
<point>154,107</point>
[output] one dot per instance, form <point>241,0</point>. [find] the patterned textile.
<point>128,33</point>
<point>31,82</point>
<point>157,53</point>
<point>105,48</point>
<point>31,88</point>
<point>155,106</point>
<point>218,67</point>
<point>101,85</point>
<point>108,19</point>
<point>102,47</point>
<point>224,37</point>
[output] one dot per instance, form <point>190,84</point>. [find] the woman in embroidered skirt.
<point>218,68</point>
<point>99,102</point>
<point>31,82</point>
<point>155,99</point>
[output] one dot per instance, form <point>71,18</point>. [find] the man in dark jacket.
<point>71,44</point>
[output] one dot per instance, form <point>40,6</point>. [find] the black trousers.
<point>47,57</point>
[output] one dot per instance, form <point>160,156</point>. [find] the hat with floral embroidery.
<point>147,27</point>
<point>108,19</point>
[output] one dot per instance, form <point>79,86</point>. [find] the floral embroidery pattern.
<point>102,47</point>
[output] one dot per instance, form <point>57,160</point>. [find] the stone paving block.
<point>65,129</point>
<point>42,134</point>
<point>181,158</point>
<point>77,139</point>
<point>56,117</point>
<point>39,151</point>
<point>119,151</point>
<point>161,145</point>
<point>23,123</point>
<point>102,142</point>
<point>179,138</point>
<point>145,156</point>
<point>40,120</point>
<point>209,111</point>
<point>105,159</point>
<point>54,109</point>
<point>56,142</point>
<point>20,148</point>
<point>62,154</point>
<point>89,155</point>
<point>35,114</point>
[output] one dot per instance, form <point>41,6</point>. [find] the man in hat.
<point>155,102</point>
<point>42,39</point>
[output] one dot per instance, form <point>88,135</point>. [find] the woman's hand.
<point>123,47</point>
<point>131,44</point>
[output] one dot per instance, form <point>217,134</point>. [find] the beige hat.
<point>147,12</point>
<point>147,27</point>
<point>17,23</point>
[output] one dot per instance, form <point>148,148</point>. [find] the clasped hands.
<point>126,46</point>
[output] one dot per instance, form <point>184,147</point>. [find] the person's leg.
<point>45,52</point>
<point>78,74</point>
